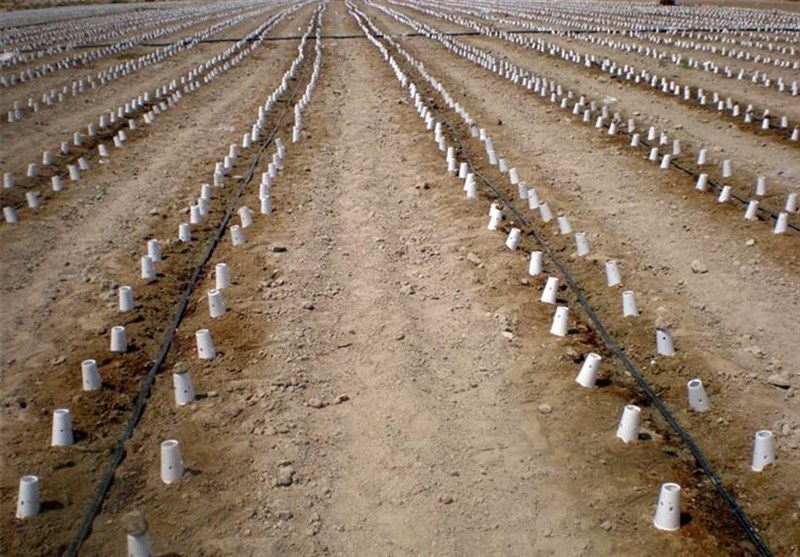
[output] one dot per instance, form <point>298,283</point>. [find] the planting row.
<point>66,164</point>
<point>215,204</point>
<point>763,447</point>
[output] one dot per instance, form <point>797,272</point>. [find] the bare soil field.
<point>385,379</point>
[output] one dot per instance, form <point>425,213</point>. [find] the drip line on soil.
<point>741,517</point>
<point>144,391</point>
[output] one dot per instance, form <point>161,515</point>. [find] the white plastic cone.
<point>246,216</point>
<point>587,377</point>
<point>781,223</point>
<point>544,212</point>
<point>10,215</point>
<point>763,450</point>
<point>629,307</point>
<point>62,428</point>
<point>522,190</point>
<point>32,197</point>
<point>139,545</point>
<point>184,232</point>
<point>205,346</point>
<point>216,305</point>
<point>514,236</point>
<point>612,273</point>
<point>533,199</point>
<point>237,235</point>
<point>171,461</point>
<point>550,291</point>
<point>90,376</point>
<point>628,428</point>
<point>222,276</point>
<point>564,226</point>
<point>702,182</point>
<point>266,204</point>
<point>471,188</point>
<point>761,186</point>
<point>727,170</point>
<point>724,194</point>
<point>668,508</point>
<point>698,399</point>
<point>57,183</point>
<point>154,250</point>
<point>664,342</point>
<point>28,499</point>
<point>119,340</point>
<point>791,203</point>
<point>752,210</point>
<point>702,157</point>
<point>513,176</point>
<point>195,215</point>
<point>148,268</point>
<point>560,324</point>
<point>184,390</point>
<point>125,298</point>
<point>582,244</point>
<point>535,265</point>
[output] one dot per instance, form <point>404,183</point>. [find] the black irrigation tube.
<point>762,211</point>
<point>614,348</point>
<point>144,391</point>
<point>714,185</point>
<point>448,34</point>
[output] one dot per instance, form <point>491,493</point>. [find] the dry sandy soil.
<point>385,381</point>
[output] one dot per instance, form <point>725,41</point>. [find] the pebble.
<point>779,380</point>
<point>607,525</point>
<point>545,408</point>
<point>750,242</point>
<point>135,523</point>
<point>285,476</point>
<point>58,360</point>
<point>508,334</point>
<point>445,499</point>
<point>308,305</point>
<point>278,249</point>
<point>340,399</point>
<point>474,259</point>
<point>699,267</point>
<point>315,403</point>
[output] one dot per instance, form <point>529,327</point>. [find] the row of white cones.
<point>172,469</point>
<point>667,516</point>
<point>170,94</point>
<point>516,75</point>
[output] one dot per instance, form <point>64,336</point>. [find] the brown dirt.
<point>394,355</point>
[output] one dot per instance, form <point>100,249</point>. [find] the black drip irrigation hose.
<point>612,346</point>
<point>739,514</point>
<point>766,213</point>
<point>144,391</point>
